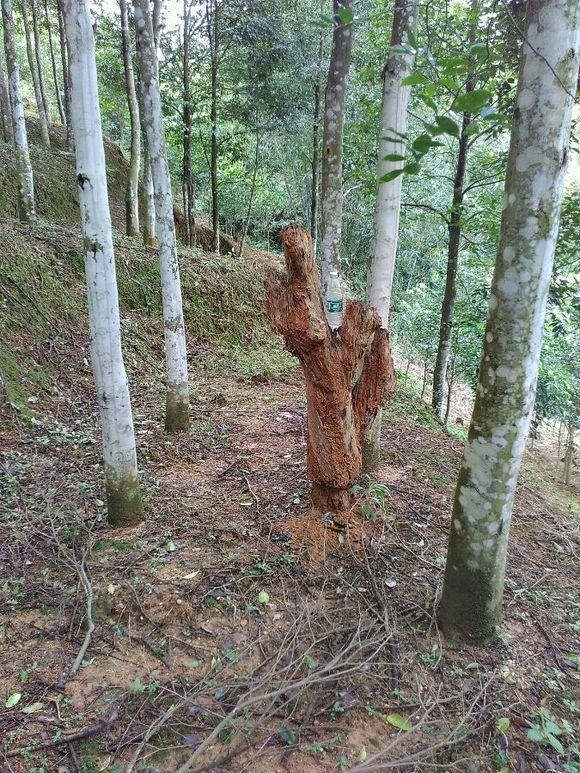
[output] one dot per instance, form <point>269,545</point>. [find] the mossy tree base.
<point>124,502</point>
<point>177,411</point>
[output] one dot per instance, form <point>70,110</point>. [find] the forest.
<point>289,386</point>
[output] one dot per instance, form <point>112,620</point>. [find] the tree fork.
<point>348,372</point>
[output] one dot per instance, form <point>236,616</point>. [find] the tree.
<point>188,186</point>
<point>124,502</point>
<point>38,59</point>
<point>5,105</point>
<point>334,102</point>
<point>59,104</point>
<point>476,557</point>
<point>65,76</point>
<point>393,127</point>
<point>316,139</point>
<point>42,117</point>
<point>132,191</point>
<point>177,407</point>
<point>213,10</point>
<point>26,210</point>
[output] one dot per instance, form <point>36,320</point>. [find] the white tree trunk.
<point>26,211</point>
<point>42,118</point>
<point>123,496</point>
<point>132,192</point>
<point>476,558</point>
<point>334,101</point>
<point>388,202</point>
<point>177,410</point>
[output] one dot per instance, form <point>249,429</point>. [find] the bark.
<point>148,200</point>
<point>395,100</point>
<point>450,377</point>
<point>65,77</point>
<point>42,117</point>
<point>569,455</point>
<point>214,41</point>
<point>188,187</point>
<point>38,59</point>
<point>316,143</point>
<point>252,194</point>
<point>59,104</point>
<point>332,142</point>
<point>5,109</point>
<point>177,410</point>
<point>476,558</point>
<point>132,191</point>
<point>338,402</point>
<point>125,506</point>
<point>26,211</point>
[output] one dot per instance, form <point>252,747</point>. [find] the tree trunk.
<point>334,101</point>
<point>177,411</point>
<point>5,109</point>
<point>569,456</point>
<point>149,235</point>
<point>315,143</point>
<point>213,29</point>
<point>26,211</point>
<point>132,192</point>
<point>388,202</point>
<point>252,194</point>
<point>38,58</point>
<point>42,117</point>
<point>188,188</point>
<point>450,375</point>
<point>54,67</point>
<point>65,78</point>
<point>474,576</point>
<point>338,404</point>
<point>125,506</point>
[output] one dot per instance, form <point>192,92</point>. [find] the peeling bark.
<point>124,502</point>
<point>347,372</point>
<point>476,558</point>
<point>26,211</point>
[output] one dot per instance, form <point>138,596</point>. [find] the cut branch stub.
<point>348,372</point>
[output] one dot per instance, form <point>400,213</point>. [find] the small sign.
<point>334,305</point>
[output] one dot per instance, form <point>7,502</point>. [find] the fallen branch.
<point>87,732</point>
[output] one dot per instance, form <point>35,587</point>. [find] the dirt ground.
<point>231,629</point>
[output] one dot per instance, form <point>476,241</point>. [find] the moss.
<point>124,502</point>
<point>176,412</point>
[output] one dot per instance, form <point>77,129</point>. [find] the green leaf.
<point>137,686</point>
<point>413,168</point>
<point>33,708</point>
<point>423,143</point>
<point>411,38</point>
<point>447,125</point>
<point>479,49</point>
<point>396,720</point>
<point>13,699</point>
<point>346,15</point>
<point>535,734</point>
<point>402,48</point>
<point>287,735</point>
<point>471,101</point>
<point>393,157</point>
<point>414,80</point>
<point>386,178</point>
<point>263,597</point>
<point>502,724</point>
<point>555,743</point>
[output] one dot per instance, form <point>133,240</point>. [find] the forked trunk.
<point>347,372</point>
<point>26,211</point>
<point>125,506</point>
<point>480,524</point>
<point>177,409</point>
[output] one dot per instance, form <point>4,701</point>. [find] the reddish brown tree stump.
<point>348,372</point>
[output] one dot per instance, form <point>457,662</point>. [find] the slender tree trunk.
<point>450,375</point>
<point>149,234</point>
<point>125,506</point>
<point>213,27</point>
<point>569,455</point>
<point>54,67</point>
<point>38,58</point>
<point>332,141</point>
<point>5,109</point>
<point>316,143</point>
<point>132,192</point>
<point>42,117</point>
<point>252,194</point>
<point>26,211</point>
<point>177,412</point>
<point>388,202</point>
<point>188,188</point>
<point>65,78</point>
<point>476,558</point>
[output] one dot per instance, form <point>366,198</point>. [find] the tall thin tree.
<point>124,501</point>
<point>188,186</point>
<point>395,101</point>
<point>315,166</point>
<point>58,96</point>
<point>480,524</point>
<point>38,59</point>
<point>42,117</point>
<point>26,211</point>
<point>65,76</point>
<point>334,102</point>
<point>5,108</point>
<point>177,410</point>
<point>132,190</point>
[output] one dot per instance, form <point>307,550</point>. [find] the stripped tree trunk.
<point>124,502</point>
<point>334,101</point>
<point>476,558</point>
<point>132,192</point>
<point>347,372</point>
<point>5,109</point>
<point>388,202</point>
<point>26,211</point>
<point>42,117</point>
<point>65,78</point>
<point>188,188</point>
<point>54,67</point>
<point>177,410</point>
<point>38,58</point>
